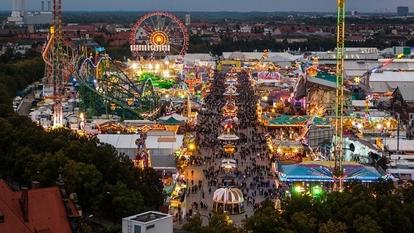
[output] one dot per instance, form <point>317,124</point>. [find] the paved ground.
<point>252,162</point>
<point>26,105</point>
<point>208,197</point>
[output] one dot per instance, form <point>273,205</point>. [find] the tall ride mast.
<point>340,54</point>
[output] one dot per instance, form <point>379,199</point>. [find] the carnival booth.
<point>228,200</point>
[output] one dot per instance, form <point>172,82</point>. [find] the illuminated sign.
<point>150,48</point>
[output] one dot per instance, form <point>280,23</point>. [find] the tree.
<point>194,224</point>
<point>84,179</point>
<point>122,201</point>
<point>103,180</point>
<point>332,226</point>
<point>365,224</point>
<point>303,223</point>
<point>266,219</point>
<point>219,223</point>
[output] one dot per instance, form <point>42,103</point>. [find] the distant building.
<point>402,10</point>
<point>20,16</point>
<point>38,18</point>
<point>187,20</point>
<point>148,222</point>
<point>18,11</point>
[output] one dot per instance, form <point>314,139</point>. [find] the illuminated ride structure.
<point>159,34</point>
<point>59,58</point>
<point>104,88</point>
<point>311,71</point>
<point>340,55</point>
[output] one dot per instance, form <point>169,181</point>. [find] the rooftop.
<point>45,211</point>
<point>323,172</point>
<point>392,76</point>
<point>148,216</point>
<point>404,144</point>
<point>127,141</point>
<point>407,92</point>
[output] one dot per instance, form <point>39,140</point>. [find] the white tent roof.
<point>127,141</point>
<point>119,141</point>
<point>390,76</point>
<point>405,145</point>
<point>175,116</point>
<point>164,142</point>
<point>272,56</point>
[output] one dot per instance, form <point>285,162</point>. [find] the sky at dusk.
<point>221,5</point>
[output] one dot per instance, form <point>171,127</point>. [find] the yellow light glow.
<point>191,146</point>
<point>134,66</point>
<point>379,126</point>
<point>388,124</point>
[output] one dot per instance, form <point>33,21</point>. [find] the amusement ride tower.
<point>340,54</point>
<point>57,72</point>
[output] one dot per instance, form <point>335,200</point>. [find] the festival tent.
<point>174,119</point>
<point>319,171</point>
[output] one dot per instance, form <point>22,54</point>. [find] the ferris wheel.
<point>159,34</point>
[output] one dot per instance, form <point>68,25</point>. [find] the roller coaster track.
<point>69,56</point>
<point>107,80</point>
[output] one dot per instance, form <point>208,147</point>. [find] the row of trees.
<point>200,45</point>
<point>107,185</point>
<point>375,209</point>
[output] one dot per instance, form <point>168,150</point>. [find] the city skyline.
<point>217,5</point>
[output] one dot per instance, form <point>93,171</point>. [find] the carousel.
<point>231,79</point>
<point>229,200</point>
<point>228,165</point>
<point>231,90</point>
<point>228,134</point>
<point>230,109</point>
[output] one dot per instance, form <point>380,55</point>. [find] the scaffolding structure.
<point>57,72</point>
<point>340,54</point>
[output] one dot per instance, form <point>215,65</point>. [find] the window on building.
<point>137,229</point>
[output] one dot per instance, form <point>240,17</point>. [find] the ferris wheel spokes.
<point>164,34</point>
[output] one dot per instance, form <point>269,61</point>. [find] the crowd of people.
<point>252,172</point>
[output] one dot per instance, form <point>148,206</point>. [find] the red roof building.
<point>40,210</point>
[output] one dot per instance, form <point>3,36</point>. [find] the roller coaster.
<point>103,88</point>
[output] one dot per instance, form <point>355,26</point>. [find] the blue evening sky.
<point>221,5</point>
